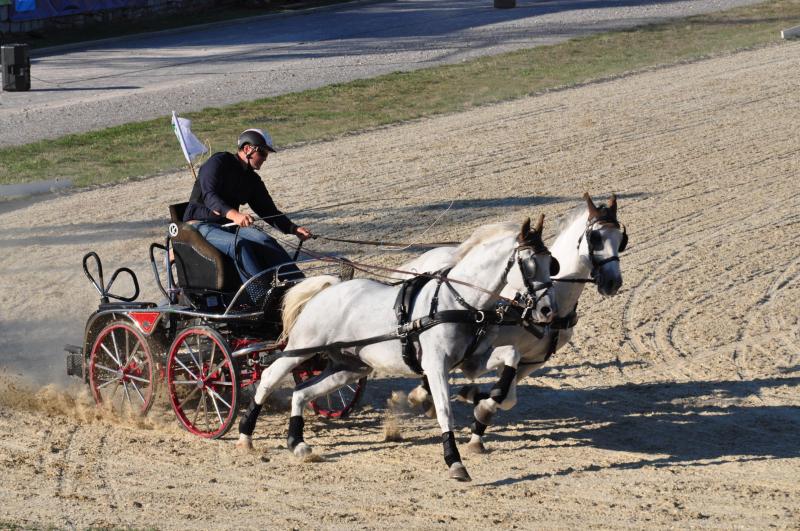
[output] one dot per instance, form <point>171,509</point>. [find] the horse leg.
<point>269,379</point>
<point>437,379</point>
<point>474,368</point>
<point>331,379</point>
<point>502,395</point>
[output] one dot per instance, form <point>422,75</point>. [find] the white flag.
<point>191,146</point>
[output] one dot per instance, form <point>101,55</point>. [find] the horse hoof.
<point>467,393</point>
<point>245,443</point>
<point>459,472</point>
<point>430,409</point>
<point>484,412</point>
<point>302,450</point>
<point>417,397</point>
<point>476,447</point>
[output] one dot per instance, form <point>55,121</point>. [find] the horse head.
<point>536,265</point>
<point>605,238</point>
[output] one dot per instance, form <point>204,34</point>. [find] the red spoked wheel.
<point>121,369</point>
<point>203,382</point>
<point>339,403</point>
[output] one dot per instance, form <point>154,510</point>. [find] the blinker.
<point>596,240</point>
<point>624,242</point>
<point>555,267</point>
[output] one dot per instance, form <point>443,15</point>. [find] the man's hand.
<point>243,220</point>
<point>303,233</point>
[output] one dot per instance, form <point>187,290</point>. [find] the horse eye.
<point>596,240</point>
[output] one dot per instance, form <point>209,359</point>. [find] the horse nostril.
<point>545,311</point>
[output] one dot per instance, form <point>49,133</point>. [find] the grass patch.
<point>147,148</point>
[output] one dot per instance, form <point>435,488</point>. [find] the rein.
<point>384,243</point>
<point>369,268</point>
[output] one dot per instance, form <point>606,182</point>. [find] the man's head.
<point>254,146</point>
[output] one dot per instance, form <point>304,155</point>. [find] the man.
<point>225,182</point>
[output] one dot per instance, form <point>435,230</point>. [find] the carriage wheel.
<point>203,382</point>
<point>121,369</point>
<point>337,404</point>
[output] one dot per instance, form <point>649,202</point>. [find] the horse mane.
<point>483,234</point>
<point>569,218</point>
<point>297,296</point>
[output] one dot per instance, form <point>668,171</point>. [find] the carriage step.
<point>74,360</point>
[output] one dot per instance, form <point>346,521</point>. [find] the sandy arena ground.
<point>675,406</point>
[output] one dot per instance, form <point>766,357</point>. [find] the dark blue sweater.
<point>222,184</point>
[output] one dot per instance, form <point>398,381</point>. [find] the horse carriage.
<point>207,343</point>
<point>500,301</point>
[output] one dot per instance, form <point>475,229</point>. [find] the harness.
<point>408,331</point>
<point>558,324</point>
<point>403,308</point>
<point>516,316</point>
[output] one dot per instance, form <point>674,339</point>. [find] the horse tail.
<point>297,297</point>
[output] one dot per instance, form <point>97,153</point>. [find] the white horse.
<point>587,248</point>
<point>356,323</point>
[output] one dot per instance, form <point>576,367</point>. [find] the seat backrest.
<point>198,264</point>
<point>177,211</point>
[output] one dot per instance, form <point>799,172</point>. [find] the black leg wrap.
<point>248,423</point>
<point>451,454</point>
<point>500,390</point>
<point>478,397</point>
<point>478,428</point>
<point>295,431</point>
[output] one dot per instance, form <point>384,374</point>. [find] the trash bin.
<point>505,4</point>
<point>16,64</point>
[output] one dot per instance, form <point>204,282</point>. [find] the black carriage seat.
<point>199,265</point>
<point>209,278</point>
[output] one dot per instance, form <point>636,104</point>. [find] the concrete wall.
<point>153,7</point>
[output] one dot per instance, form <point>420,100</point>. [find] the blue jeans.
<point>257,251</point>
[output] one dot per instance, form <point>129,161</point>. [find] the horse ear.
<point>593,213</point>
<point>612,204</point>
<point>539,224</point>
<point>526,228</point>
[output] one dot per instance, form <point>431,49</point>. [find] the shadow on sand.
<point>687,424</point>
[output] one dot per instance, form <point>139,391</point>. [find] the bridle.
<point>594,242</point>
<point>528,269</point>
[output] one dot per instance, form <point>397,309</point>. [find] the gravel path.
<point>676,405</point>
<point>137,78</point>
